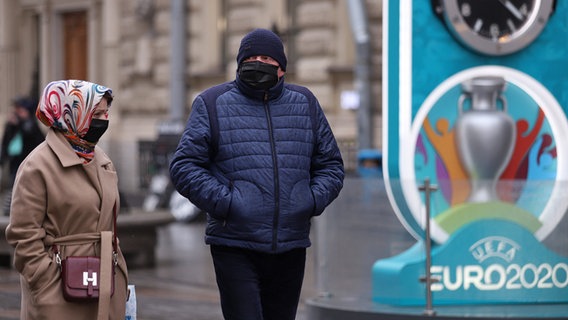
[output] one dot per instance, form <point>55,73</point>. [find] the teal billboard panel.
<point>483,117</point>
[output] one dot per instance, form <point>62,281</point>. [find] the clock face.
<point>496,27</point>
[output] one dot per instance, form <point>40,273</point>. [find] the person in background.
<point>65,195</point>
<point>21,135</point>
<point>259,156</point>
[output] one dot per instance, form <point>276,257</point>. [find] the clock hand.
<point>514,10</point>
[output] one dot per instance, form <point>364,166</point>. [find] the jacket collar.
<point>273,92</point>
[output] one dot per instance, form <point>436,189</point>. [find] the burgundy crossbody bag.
<point>81,275</point>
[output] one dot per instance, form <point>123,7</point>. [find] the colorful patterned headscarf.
<point>68,106</point>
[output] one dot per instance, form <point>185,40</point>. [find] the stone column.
<point>109,65</point>
<point>359,26</point>
<point>120,145</point>
<point>8,53</point>
<point>94,43</point>
<point>45,51</point>
<point>178,62</point>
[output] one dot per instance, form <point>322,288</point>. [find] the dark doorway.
<point>75,39</point>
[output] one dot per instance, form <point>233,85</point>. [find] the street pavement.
<point>180,286</point>
<point>358,228</point>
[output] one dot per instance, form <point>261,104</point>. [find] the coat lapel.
<point>107,182</point>
<point>99,171</point>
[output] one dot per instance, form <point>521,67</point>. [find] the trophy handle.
<point>461,100</point>
<point>503,102</point>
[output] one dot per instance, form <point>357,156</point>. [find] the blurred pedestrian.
<point>259,156</point>
<point>21,135</point>
<point>64,203</point>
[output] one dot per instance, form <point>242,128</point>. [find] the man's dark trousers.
<point>258,286</point>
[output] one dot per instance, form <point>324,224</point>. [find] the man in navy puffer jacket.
<point>259,156</point>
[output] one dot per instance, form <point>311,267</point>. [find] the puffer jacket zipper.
<point>276,215</point>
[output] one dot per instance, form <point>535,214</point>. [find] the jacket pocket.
<point>247,204</point>
<point>296,213</point>
<point>301,202</point>
<point>219,208</point>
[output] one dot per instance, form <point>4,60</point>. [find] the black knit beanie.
<point>262,42</point>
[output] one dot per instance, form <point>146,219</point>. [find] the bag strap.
<point>106,269</point>
<point>115,236</point>
<point>106,275</point>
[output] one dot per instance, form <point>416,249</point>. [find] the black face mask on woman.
<point>259,75</point>
<point>96,130</point>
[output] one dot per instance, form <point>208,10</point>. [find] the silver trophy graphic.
<point>485,134</point>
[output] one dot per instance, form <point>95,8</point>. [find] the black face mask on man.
<point>259,75</point>
<point>96,130</point>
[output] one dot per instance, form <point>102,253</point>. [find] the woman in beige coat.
<point>64,195</point>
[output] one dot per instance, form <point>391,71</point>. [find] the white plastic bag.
<point>131,303</point>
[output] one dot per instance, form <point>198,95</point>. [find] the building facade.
<point>127,45</point>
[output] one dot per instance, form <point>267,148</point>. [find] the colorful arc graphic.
<point>458,212</point>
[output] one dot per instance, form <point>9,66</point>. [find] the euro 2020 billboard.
<point>491,132</point>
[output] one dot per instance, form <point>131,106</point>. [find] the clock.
<point>495,27</point>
